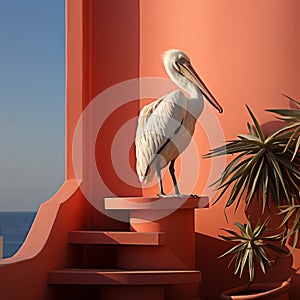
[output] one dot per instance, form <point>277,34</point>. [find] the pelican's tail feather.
<point>148,177</point>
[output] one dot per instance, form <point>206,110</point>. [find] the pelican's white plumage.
<point>165,126</point>
<point>157,123</point>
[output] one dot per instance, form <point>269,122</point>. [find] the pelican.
<point>166,126</point>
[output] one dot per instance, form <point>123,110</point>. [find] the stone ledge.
<point>123,277</point>
<point>155,203</point>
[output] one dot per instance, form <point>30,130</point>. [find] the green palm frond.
<point>292,118</point>
<point>262,167</point>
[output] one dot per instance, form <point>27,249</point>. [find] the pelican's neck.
<point>191,89</point>
<point>195,103</point>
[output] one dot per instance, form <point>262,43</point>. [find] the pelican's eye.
<point>179,64</point>
<point>181,60</point>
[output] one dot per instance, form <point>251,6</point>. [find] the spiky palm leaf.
<point>292,117</point>
<point>263,167</point>
<point>292,214</point>
<point>251,248</point>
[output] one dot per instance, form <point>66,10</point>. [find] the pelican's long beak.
<point>189,72</point>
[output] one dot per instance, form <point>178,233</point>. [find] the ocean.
<point>14,227</point>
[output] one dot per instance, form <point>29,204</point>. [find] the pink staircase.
<point>154,259</point>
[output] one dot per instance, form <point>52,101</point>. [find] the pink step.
<point>117,238</point>
<point>123,277</point>
<point>155,203</point>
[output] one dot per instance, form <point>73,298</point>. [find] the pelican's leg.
<point>161,190</point>
<point>172,172</point>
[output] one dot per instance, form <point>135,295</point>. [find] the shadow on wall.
<point>217,277</point>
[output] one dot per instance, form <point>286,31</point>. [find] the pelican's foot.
<point>177,195</point>
<point>188,195</point>
<point>163,195</point>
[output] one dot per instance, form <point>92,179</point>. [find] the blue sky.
<point>32,95</point>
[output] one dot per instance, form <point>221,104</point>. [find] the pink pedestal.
<point>175,218</point>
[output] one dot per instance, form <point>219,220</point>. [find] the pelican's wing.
<point>157,124</point>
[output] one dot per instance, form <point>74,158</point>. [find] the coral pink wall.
<point>247,52</point>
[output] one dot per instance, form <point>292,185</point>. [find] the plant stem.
<point>248,285</point>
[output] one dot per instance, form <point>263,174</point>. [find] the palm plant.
<point>264,166</point>
<point>292,209</point>
<point>252,248</point>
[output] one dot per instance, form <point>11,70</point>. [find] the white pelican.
<point>165,126</point>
